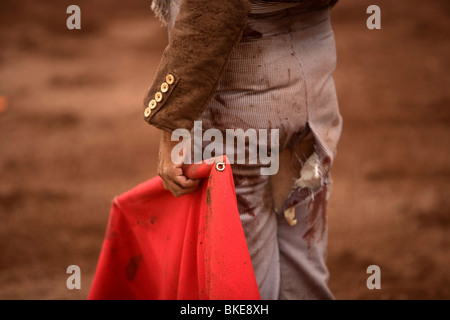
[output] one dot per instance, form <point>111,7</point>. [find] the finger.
<point>177,183</point>
<point>186,183</point>
<point>174,182</point>
<point>177,175</point>
<point>183,186</point>
<point>186,191</point>
<point>176,170</point>
<point>176,190</point>
<point>178,165</point>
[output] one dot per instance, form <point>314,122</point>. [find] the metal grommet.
<point>220,166</point>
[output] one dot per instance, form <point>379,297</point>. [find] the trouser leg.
<point>260,228</point>
<point>303,247</point>
<point>289,261</point>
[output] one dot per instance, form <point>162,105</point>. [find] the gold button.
<point>158,96</point>
<point>152,104</point>
<point>170,79</point>
<point>164,87</point>
<point>147,112</point>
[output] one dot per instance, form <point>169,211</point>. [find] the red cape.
<point>193,247</point>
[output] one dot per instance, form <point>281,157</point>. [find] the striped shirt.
<point>262,7</point>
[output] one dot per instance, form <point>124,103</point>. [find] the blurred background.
<point>72,137</point>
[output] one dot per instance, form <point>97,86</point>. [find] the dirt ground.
<point>72,137</point>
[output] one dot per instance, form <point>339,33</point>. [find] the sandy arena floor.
<point>72,137</point>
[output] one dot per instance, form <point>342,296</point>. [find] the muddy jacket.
<point>202,39</point>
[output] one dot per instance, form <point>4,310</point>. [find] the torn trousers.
<point>280,77</point>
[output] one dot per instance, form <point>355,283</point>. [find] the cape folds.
<point>193,247</point>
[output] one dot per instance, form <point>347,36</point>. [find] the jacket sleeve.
<point>203,37</point>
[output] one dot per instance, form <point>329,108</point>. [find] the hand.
<point>172,174</point>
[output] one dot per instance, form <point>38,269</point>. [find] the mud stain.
<point>146,222</point>
<point>240,180</point>
<point>295,197</point>
<point>110,233</point>
<point>216,118</point>
<point>133,267</point>
<point>244,206</point>
<point>251,34</point>
<point>317,218</point>
<point>220,100</point>
<point>208,197</point>
<point>335,122</point>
